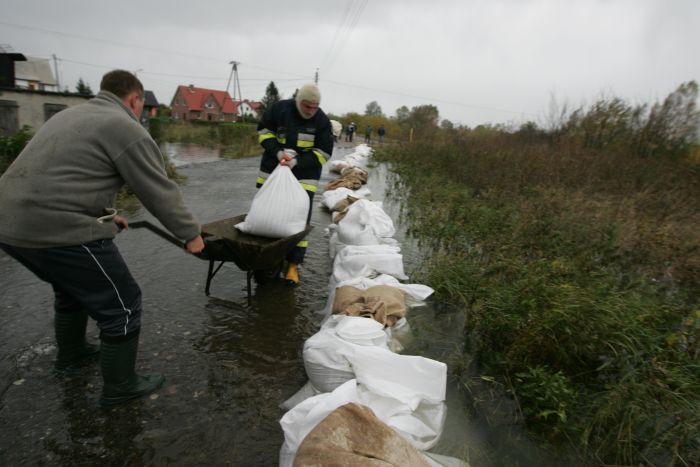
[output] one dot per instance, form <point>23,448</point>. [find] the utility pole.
<point>55,67</point>
<point>316,77</point>
<point>236,82</point>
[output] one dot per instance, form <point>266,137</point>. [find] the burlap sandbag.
<point>356,172</point>
<point>352,435</point>
<point>382,303</point>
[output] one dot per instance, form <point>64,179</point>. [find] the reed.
<point>577,262</point>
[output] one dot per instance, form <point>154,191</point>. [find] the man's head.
<point>127,87</point>
<point>307,100</point>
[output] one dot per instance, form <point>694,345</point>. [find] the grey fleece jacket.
<point>73,168</point>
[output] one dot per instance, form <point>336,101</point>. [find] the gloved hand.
<point>286,154</point>
<point>291,163</point>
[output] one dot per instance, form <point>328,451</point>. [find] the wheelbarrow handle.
<point>158,231</point>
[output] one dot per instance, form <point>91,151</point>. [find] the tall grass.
<point>577,260</point>
<point>234,139</point>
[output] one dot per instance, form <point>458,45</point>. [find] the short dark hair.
<point>121,83</point>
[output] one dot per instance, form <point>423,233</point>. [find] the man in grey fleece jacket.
<point>53,199</point>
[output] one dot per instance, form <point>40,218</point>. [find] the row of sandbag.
<point>363,401</point>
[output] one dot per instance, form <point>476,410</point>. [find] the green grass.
<point>235,140</point>
<point>579,271</point>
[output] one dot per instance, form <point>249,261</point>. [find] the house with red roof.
<point>193,103</point>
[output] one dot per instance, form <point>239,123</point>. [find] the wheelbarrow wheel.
<point>263,276</point>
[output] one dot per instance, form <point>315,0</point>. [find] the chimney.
<point>191,87</point>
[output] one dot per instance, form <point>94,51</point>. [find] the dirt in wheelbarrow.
<point>229,359</point>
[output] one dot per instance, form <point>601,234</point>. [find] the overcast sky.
<point>478,61</point>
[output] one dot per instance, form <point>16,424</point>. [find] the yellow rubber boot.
<point>292,276</point>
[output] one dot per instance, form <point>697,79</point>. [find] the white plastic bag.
<point>280,207</point>
<point>355,261</point>
<point>364,224</point>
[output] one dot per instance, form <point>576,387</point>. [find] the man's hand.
<point>195,245</point>
<point>291,163</point>
<point>122,223</point>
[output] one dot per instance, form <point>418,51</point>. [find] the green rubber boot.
<point>70,339</point>
<point>121,383</point>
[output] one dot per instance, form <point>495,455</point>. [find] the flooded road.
<point>228,361</point>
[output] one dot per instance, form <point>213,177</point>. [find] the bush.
<point>11,146</point>
<point>577,261</point>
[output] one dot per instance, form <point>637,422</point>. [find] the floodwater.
<point>229,361</point>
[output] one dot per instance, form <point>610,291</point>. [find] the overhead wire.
<point>349,20</point>
<point>345,32</point>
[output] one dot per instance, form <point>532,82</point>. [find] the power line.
<point>428,99</point>
<point>349,21</point>
<point>140,47</point>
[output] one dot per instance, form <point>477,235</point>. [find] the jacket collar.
<point>106,96</point>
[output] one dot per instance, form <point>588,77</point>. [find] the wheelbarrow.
<point>260,257</point>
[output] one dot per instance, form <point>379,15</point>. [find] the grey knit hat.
<point>309,92</point>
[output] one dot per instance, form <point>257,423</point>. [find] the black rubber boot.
<point>70,339</point>
<point>121,383</point>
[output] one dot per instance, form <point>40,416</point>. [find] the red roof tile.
<point>196,97</point>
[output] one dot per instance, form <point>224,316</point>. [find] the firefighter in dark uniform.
<point>298,125</point>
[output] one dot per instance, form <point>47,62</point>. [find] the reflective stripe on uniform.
<point>305,140</point>
<point>309,185</point>
<point>264,135</point>
<point>322,156</point>
<point>303,244</point>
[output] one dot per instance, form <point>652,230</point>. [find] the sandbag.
<point>364,224</point>
<point>355,261</point>
<point>353,435</point>
<point>332,197</point>
<point>280,207</point>
<point>382,303</point>
<point>325,364</point>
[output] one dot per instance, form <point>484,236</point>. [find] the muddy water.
<point>228,360</point>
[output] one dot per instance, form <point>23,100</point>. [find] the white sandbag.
<point>364,224</point>
<point>300,420</point>
<point>331,198</point>
<point>367,260</point>
<point>280,207</point>
<point>306,391</point>
<point>325,364</point>
<point>407,378</point>
<point>364,150</point>
<point>422,426</point>
<point>337,128</point>
<point>439,460</point>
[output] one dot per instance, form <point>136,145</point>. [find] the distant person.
<point>56,218</point>
<point>350,132</point>
<point>297,124</point>
<point>368,134</point>
<point>381,132</point>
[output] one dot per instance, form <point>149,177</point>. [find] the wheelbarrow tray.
<point>224,242</point>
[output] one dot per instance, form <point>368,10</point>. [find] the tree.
<point>272,95</point>
<point>373,110</point>
<point>402,114</point>
<point>424,117</point>
<point>447,125</point>
<point>83,88</point>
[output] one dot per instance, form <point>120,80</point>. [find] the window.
<point>52,109</point>
<point>9,119</point>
